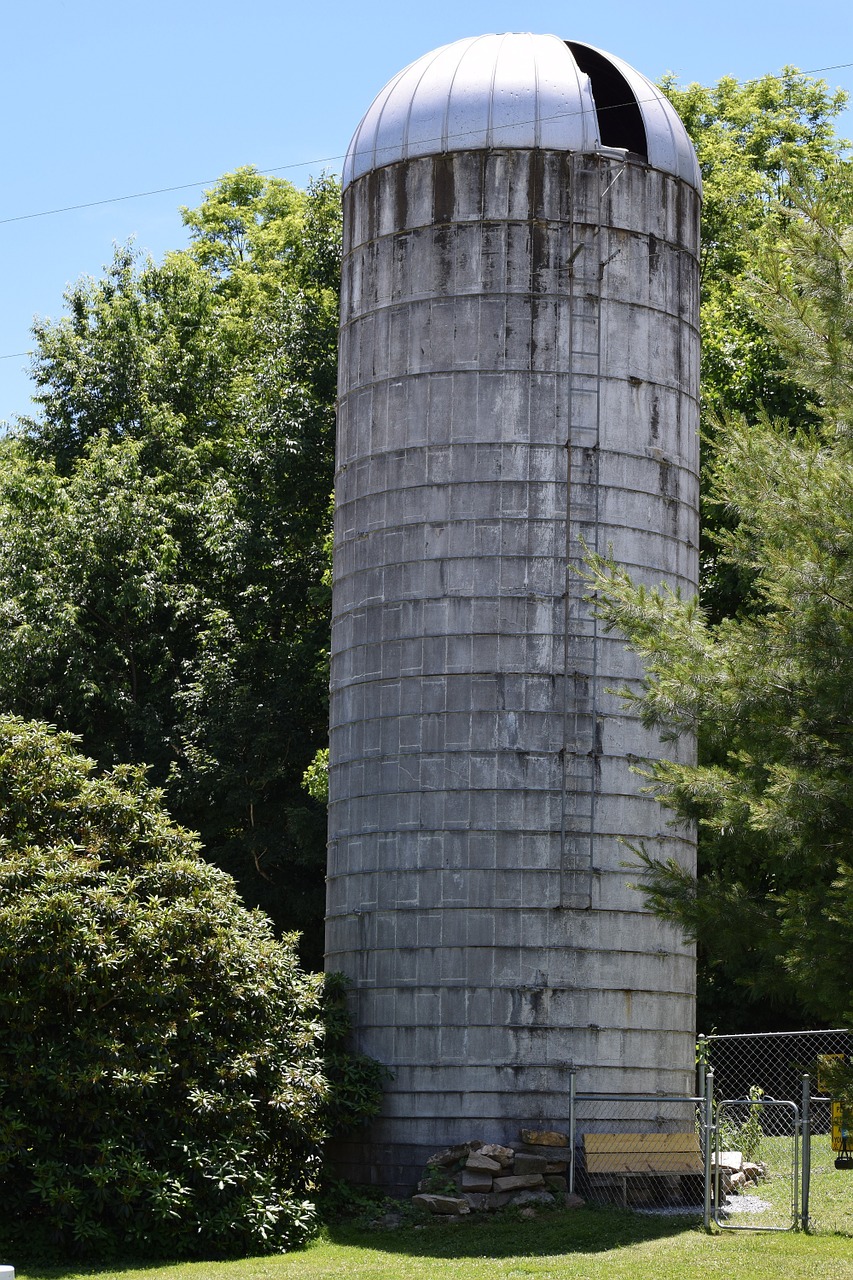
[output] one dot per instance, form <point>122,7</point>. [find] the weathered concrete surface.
<point>499,410</point>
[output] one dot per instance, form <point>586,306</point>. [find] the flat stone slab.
<point>478,1201</point>
<point>557,1157</point>
<point>441,1204</point>
<point>484,1164</point>
<point>475,1180</point>
<point>533,1197</point>
<point>544,1138</point>
<point>515,1182</point>
<point>503,1155</point>
<point>529,1164</point>
<point>731,1160</point>
<point>451,1154</point>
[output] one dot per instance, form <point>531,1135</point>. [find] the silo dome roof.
<point>520,90</point>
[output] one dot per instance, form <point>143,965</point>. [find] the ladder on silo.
<point>590,177</point>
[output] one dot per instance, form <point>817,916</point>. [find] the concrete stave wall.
<point>458,831</point>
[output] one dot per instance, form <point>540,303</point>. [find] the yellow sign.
<point>842,1127</point>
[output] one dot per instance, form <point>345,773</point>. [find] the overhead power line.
<point>304,164</point>
<point>155,191</point>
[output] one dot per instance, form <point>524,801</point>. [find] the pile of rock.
<point>482,1177</point>
<point>737,1174</point>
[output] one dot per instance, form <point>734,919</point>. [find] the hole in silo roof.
<point>620,122</point>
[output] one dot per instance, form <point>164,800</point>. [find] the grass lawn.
<point>579,1245</point>
<point>831,1203</point>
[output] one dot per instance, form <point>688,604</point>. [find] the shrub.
<point>354,1081</point>
<point>160,1079</point>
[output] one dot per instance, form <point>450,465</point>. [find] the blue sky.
<point>103,100</point>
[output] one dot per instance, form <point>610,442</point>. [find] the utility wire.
<point>186,186</point>
<point>303,164</point>
<point>156,191</point>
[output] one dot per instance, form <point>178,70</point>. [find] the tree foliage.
<point>769,692</point>
<point>163,519</point>
<point>354,1082</point>
<point>164,515</point>
<point>752,140</point>
<point>160,1073</point>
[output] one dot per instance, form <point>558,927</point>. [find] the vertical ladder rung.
<point>582,534</point>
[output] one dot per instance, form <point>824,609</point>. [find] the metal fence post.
<point>807,1153</point>
<point>701,1063</point>
<point>708,1125</point>
<point>572,1127</point>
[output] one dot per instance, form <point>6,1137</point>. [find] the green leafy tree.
<point>161,1085</point>
<point>164,519</point>
<point>751,140</point>
<point>769,692</point>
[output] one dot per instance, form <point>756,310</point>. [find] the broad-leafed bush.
<point>160,1078</point>
<point>354,1081</point>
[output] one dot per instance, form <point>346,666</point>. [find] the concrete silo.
<point>519,379</point>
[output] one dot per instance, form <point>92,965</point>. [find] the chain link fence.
<point>641,1152</point>
<point>755,1149</point>
<point>772,1066</point>
<point>774,1062</point>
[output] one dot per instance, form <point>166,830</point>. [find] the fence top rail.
<point>774,1035</point>
<point>758,1102</point>
<point>637,1097</point>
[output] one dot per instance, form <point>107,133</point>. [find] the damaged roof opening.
<point>620,122</point>
<point>516,91</point>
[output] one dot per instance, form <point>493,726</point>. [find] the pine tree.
<point>768,692</point>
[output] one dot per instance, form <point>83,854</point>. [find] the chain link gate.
<point>756,1164</point>
<point>786,1065</point>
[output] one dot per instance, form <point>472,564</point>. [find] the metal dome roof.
<point>520,90</point>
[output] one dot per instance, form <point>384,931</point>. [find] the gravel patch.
<point>746,1204</point>
<point>735,1204</point>
<point>674,1211</point>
